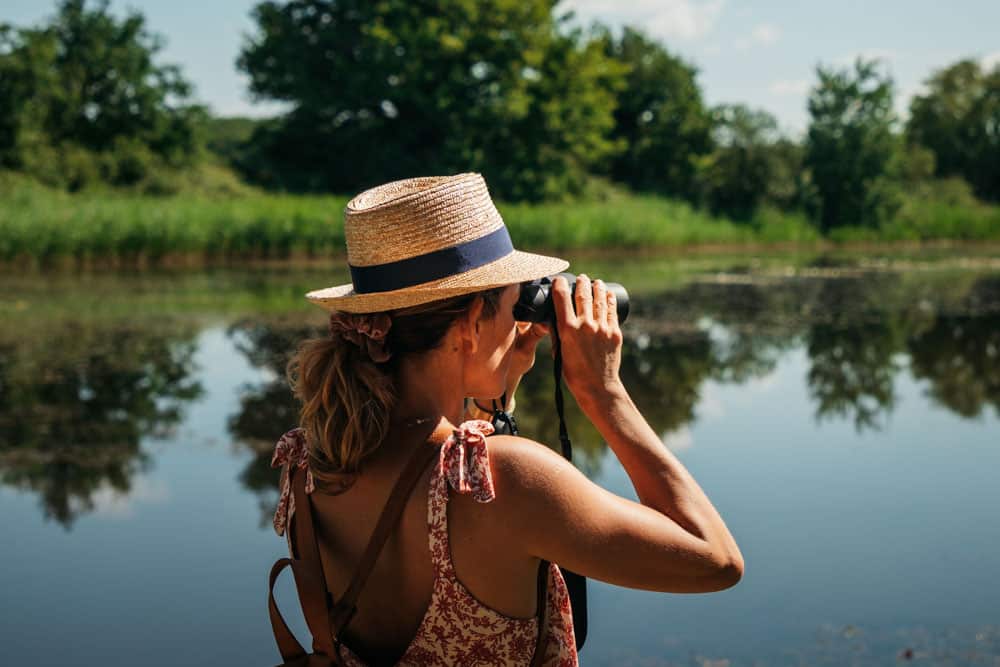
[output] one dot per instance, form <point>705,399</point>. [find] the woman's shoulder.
<point>527,472</point>
<point>515,453</point>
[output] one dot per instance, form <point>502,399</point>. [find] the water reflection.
<point>75,400</point>
<point>87,378</point>
<point>267,409</point>
<point>856,331</point>
<point>960,356</point>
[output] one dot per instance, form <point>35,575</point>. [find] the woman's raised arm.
<point>673,540</point>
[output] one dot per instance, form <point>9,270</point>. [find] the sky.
<point>763,54</point>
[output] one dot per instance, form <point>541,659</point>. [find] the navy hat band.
<point>433,265</point>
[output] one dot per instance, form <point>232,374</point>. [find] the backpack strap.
<point>326,619</point>
<point>288,645</point>
<point>310,581</point>
<point>292,653</point>
<point>346,606</point>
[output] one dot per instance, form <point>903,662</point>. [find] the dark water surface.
<point>841,412</point>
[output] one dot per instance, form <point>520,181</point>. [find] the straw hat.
<point>423,239</point>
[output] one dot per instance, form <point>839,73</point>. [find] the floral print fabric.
<point>465,461</point>
<point>291,449</point>
<point>458,629</point>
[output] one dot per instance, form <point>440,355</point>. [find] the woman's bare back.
<point>397,595</point>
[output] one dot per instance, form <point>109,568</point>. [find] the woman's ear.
<point>470,329</point>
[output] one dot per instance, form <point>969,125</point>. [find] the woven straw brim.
<point>517,267</point>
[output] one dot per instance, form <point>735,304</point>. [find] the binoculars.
<point>535,301</point>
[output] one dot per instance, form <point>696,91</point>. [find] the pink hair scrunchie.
<point>366,330</point>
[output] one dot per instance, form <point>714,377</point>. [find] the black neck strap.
<point>503,423</point>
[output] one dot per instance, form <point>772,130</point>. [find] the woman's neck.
<point>428,388</point>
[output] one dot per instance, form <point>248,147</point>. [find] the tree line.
<point>547,111</point>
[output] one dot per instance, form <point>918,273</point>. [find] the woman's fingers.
<point>529,333</point>
<point>584,298</point>
<point>600,302</point>
<point>562,301</point>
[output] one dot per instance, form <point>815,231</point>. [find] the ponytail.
<point>347,398</point>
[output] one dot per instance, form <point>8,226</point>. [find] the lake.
<point>841,410</point>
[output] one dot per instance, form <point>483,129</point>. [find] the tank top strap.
<point>292,450</point>
<point>464,466</point>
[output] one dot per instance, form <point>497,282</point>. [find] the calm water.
<point>842,413</point>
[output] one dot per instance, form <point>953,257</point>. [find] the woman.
<point>426,323</point>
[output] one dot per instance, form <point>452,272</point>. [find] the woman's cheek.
<point>512,334</point>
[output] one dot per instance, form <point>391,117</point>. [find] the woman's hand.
<point>590,339</point>
<point>522,360</point>
<point>523,356</point>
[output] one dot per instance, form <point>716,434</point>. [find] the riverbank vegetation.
<point>588,139</point>
<point>43,226</point>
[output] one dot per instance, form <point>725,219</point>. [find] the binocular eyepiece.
<point>535,303</point>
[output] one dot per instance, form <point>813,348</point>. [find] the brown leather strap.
<point>288,645</point>
<point>543,584</point>
<point>309,579</point>
<point>292,653</point>
<point>346,607</point>
<point>317,602</point>
<point>325,624</point>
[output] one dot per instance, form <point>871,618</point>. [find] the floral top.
<point>458,629</point>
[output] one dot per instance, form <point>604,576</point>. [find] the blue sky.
<point>763,53</point>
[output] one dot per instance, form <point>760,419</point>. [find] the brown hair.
<point>347,398</point>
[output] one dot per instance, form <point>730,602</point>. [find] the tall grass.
<point>42,226</point>
<point>622,222</point>
<point>941,209</point>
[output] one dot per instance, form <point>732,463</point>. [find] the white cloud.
<point>760,385</point>
<point>786,87</point>
<point>764,34</point>
<point>887,56</point>
<point>676,19</point>
<point>710,406</point>
<point>111,503</point>
<point>990,60</point>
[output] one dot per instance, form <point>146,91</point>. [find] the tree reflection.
<point>851,372</point>
<point>664,375</point>
<point>855,330</point>
<point>852,351</point>
<point>78,396</point>
<point>960,354</point>
<point>269,408</point>
<point>76,401</point>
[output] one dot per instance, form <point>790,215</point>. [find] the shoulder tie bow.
<point>465,461</point>
<point>291,449</point>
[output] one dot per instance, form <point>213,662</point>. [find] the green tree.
<point>737,173</point>
<point>850,145</point>
<point>228,138</point>
<point>396,89</point>
<point>660,117</point>
<point>958,118</point>
<point>787,186</point>
<point>87,81</point>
